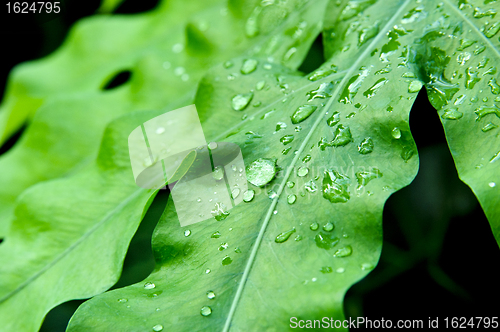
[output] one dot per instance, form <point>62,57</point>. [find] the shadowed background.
<point>439,256</point>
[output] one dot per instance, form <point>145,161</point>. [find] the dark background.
<point>439,257</point>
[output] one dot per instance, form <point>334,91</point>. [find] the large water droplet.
<point>471,78</point>
<point>483,111</point>
<point>291,199</point>
<point>352,87</point>
<point>314,226</point>
<point>241,101</point>
<point>366,146</point>
<point>302,171</point>
<point>290,184</point>
<point>249,66</point>
<point>323,91</point>
<point>489,126</point>
<point>206,311</point>
<point>396,133</point>
<point>210,295</point>
<point>342,136</point>
<point>219,212</point>
<point>375,87</point>
<point>343,252</point>
<point>311,186</point>
<point>333,119</point>
<point>149,285</point>
<point>218,173</point>
<point>187,233</point>
<point>326,240</point>
<point>452,114</point>
<point>366,176</point>
<point>227,260</point>
<point>261,171</point>
<point>287,139</point>
<point>158,328</point>
<point>414,86</point>
<point>248,195</point>
<point>336,186</point>
<point>302,113</point>
<point>328,227</point>
<point>282,237</point>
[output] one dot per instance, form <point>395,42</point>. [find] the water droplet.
<point>342,136</point>
<point>492,184</point>
<point>291,199</point>
<point>282,237</point>
<point>219,212</point>
<point>302,113</point>
<point>488,127</point>
<point>375,87</point>
<point>452,114</point>
<point>321,73</point>
<point>366,176</point>
<point>326,269</point>
<point>306,159</point>
<point>492,30</point>
<point>272,194</point>
<point>302,171</point>
<point>483,111</point>
<point>215,235</point>
<point>336,186</point>
<point>228,64</point>
<point>160,130</point>
<point>340,270</point>
<point>241,101</point>
<point>218,173</point>
<point>287,139</point>
<point>314,226</point>
<point>322,92</point>
<point>311,186</point>
<point>414,86</point>
<point>366,146</point>
<point>206,311</point>
<point>227,260</point>
<point>280,126</point>
<point>187,233</point>
<point>235,193</point>
<point>211,295</point>
<point>212,145</point>
<point>122,300</point>
<point>207,271</point>
<point>326,240</point>
<point>149,285</point>
<point>328,227</point>
<point>495,88</point>
<point>260,85</point>
<point>471,78</point>
<point>352,87</point>
<point>396,133</point>
<point>290,184</point>
<point>298,128</point>
<point>248,195</point>
<point>333,119</point>
<point>249,66</point>
<point>343,252</point>
<point>495,157</point>
<point>237,250</point>
<point>261,171</point>
<point>366,266</point>
<point>223,246</point>
<point>158,328</point>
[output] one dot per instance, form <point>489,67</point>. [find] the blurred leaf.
<point>167,53</point>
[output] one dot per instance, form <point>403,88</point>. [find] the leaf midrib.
<point>269,213</point>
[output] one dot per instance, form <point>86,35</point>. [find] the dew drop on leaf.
<point>260,85</point>
<point>149,285</point>
<point>492,184</point>
<point>314,226</point>
<point>291,199</point>
<point>452,114</point>
<point>326,269</point>
<point>122,300</point>
<point>219,212</point>
<point>187,233</point>
<point>227,260</point>
<point>261,171</point>
<point>206,311</point>
<point>328,227</point>
<point>342,136</point>
<point>489,126</point>
<point>396,133</point>
<point>249,66</point>
<point>241,101</point>
<point>333,119</point>
<point>290,184</point>
<point>366,146</point>
<point>335,186</point>
<point>366,266</point>
<point>414,86</point>
<point>158,328</point>
<point>280,126</point>
<point>325,240</point>
<point>210,295</point>
<point>287,139</point>
<point>302,171</point>
<point>302,113</point>
<point>235,193</point>
<point>311,186</point>
<point>323,91</point>
<point>215,235</point>
<point>282,237</point>
<point>343,252</point>
<point>340,270</point>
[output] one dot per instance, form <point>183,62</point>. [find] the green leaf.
<point>61,227</point>
<point>167,54</point>
<point>270,259</point>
